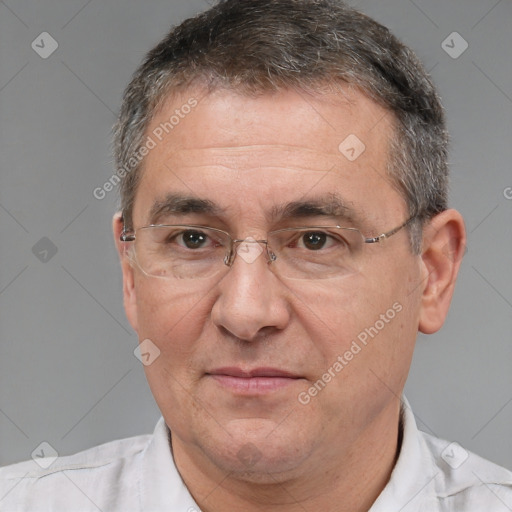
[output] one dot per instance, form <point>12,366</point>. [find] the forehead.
<point>260,151</point>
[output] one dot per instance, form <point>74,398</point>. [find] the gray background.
<point>68,375</point>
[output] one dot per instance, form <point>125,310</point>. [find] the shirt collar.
<point>160,484</point>
<point>411,486</point>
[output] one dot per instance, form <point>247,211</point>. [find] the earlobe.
<point>443,250</point>
<point>129,295</point>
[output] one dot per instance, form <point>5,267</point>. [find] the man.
<point>284,236</point>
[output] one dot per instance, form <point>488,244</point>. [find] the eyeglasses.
<point>198,252</point>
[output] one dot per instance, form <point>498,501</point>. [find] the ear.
<point>129,294</point>
<point>444,245</point>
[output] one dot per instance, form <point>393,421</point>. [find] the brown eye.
<point>193,239</point>
<point>314,240</point>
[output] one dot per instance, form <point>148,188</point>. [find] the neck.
<point>351,478</point>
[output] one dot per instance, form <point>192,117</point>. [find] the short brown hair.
<point>260,46</point>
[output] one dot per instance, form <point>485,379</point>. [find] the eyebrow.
<point>331,205</point>
<point>177,204</point>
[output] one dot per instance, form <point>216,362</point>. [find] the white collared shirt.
<point>139,474</point>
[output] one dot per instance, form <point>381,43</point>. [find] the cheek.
<point>174,321</point>
<point>172,318</point>
<point>334,312</point>
<point>363,325</point>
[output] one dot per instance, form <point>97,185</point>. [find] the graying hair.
<point>261,46</point>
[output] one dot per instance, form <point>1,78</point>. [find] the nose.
<point>251,300</point>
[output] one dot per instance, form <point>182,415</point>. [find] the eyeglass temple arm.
<point>383,236</point>
<point>127,237</point>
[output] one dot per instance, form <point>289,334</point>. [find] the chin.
<point>260,455</point>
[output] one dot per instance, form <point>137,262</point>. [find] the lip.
<point>233,371</point>
<point>254,381</point>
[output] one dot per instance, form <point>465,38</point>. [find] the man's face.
<point>251,157</point>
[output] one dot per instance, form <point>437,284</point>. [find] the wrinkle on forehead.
<point>257,154</point>
<point>255,157</point>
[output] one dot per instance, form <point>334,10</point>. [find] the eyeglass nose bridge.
<point>249,256</point>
